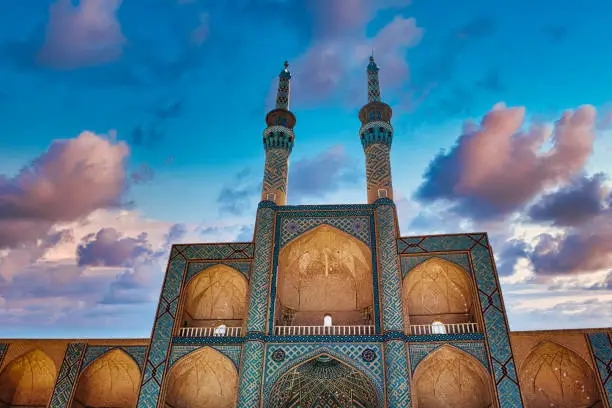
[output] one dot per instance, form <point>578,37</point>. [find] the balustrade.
<point>439,328</point>
<point>324,330</point>
<point>210,332</point>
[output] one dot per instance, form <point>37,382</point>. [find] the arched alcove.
<point>324,271</point>
<point>449,378</point>
<point>554,376</point>
<point>28,380</point>
<point>323,382</point>
<point>110,381</point>
<point>215,296</point>
<point>204,379</point>
<point>437,290</point>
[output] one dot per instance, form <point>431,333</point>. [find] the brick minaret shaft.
<point>278,142</point>
<point>376,135</point>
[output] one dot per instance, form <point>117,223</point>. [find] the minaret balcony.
<point>360,330</point>
<point>438,328</point>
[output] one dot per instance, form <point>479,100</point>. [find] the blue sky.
<point>128,125</point>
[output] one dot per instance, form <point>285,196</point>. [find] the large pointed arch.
<point>449,377</point>
<point>438,290</point>
<point>205,379</point>
<point>111,381</point>
<point>28,380</point>
<point>216,295</point>
<point>324,271</point>
<point>553,375</point>
<point>323,381</point>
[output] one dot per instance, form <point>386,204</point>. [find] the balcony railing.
<point>210,332</point>
<point>324,330</point>
<point>452,328</point>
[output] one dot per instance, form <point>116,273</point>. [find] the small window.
<point>327,321</point>
<point>220,330</point>
<point>438,328</point>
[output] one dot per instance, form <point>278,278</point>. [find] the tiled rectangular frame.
<point>161,340</point>
<point>68,374</point>
<point>601,348</point>
<point>292,221</point>
<point>482,268</point>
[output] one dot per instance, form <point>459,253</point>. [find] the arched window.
<point>327,320</point>
<point>438,328</point>
<point>220,330</point>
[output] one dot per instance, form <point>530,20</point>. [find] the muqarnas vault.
<point>328,307</point>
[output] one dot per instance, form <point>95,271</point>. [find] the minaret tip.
<point>286,65</point>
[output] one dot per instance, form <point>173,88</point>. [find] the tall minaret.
<point>376,136</point>
<point>278,141</point>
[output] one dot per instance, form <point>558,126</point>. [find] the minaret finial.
<point>282,95</point>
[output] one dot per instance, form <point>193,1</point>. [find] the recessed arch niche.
<point>205,379</point>
<point>437,290</point>
<point>553,375</point>
<point>28,380</point>
<point>110,381</point>
<point>449,377</point>
<point>324,271</point>
<point>323,382</point>
<point>215,296</point>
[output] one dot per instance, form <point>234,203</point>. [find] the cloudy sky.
<point>129,125</point>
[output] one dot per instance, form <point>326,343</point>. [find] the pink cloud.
<point>497,168</point>
<point>69,181</point>
<point>83,35</point>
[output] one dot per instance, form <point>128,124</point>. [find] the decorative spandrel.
<point>554,376</point>
<point>325,270</point>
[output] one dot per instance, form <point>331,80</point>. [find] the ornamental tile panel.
<point>251,369</point>
<point>294,354</point>
<point>295,224</point>
<point>396,373</point>
<point>68,373</point>
<point>601,345</point>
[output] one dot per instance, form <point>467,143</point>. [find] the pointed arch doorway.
<point>323,382</point>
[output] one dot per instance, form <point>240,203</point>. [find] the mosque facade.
<point>328,306</point>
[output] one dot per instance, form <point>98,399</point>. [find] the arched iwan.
<point>437,290</point>
<point>217,295</point>
<point>111,381</point>
<point>324,271</point>
<point>205,379</point>
<point>554,376</point>
<point>28,380</point>
<point>449,377</point>
<point>323,382</point>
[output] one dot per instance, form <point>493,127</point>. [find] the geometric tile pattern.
<point>231,352</point>
<point>275,174</point>
<point>193,268</point>
<point>378,170</point>
<point>292,226</point>
<point>161,339</point>
<point>3,350</point>
<point>409,262</point>
<point>495,324</point>
<point>260,276</point>
<point>391,285</point>
<point>251,370</point>
<point>67,376</point>
<point>356,220</point>
<point>373,85</point>
<point>282,96</point>
<point>93,352</point>
<point>419,351</point>
<point>396,370</point>
<point>601,344</point>
<point>350,354</point>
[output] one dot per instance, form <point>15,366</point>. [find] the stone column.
<point>395,353</point>
<point>252,359</point>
